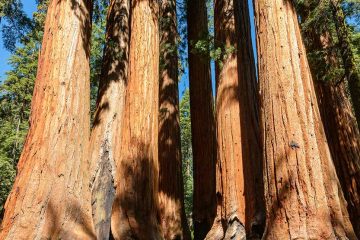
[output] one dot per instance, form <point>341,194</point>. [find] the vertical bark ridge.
<point>171,190</point>
<point>302,193</point>
<point>236,115</point>
<point>202,121</point>
<point>339,122</point>
<point>135,209</point>
<point>240,206</point>
<point>50,196</point>
<point>105,138</point>
<point>250,124</point>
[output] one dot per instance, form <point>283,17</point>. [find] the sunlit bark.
<point>106,132</point>
<point>51,196</point>
<point>171,190</point>
<point>135,210</point>
<point>303,196</point>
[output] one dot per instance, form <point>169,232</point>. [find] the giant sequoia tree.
<point>106,132</point>
<point>124,181</point>
<point>239,182</point>
<point>171,189</point>
<point>302,193</point>
<point>135,210</point>
<point>202,120</point>
<point>335,108</point>
<point>50,197</point>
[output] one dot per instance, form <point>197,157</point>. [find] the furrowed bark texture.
<point>343,137</point>
<point>105,142</point>
<point>171,190</point>
<point>302,193</point>
<point>135,210</point>
<point>202,121</point>
<point>250,124</point>
<point>51,196</point>
<point>340,125</point>
<point>347,56</point>
<point>239,151</point>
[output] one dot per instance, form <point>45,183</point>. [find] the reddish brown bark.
<point>239,157</point>
<point>343,138</point>
<point>51,196</point>
<point>171,190</point>
<point>202,121</point>
<point>135,210</point>
<point>106,133</point>
<point>302,192</point>
<point>340,125</point>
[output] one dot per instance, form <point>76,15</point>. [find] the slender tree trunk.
<point>250,124</point>
<point>202,121</point>
<point>106,133</point>
<point>51,196</point>
<point>303,196</point>
<point>340,125</point>
<point>239,155</point>
<point>347,56</point>
<point>135,210</point>
<point>171,190</point>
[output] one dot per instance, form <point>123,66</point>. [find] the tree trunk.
<point>343,137</point>
<point>302,193</point>
<point>202,121</point>
<point>340,124</point>
<point>51,195</point>
<point>106,132</point>
<point>347,56</point>
<point>171,190</point>
<point>135,209</point>
<point>239,171</point>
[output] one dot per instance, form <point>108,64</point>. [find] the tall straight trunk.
<point>135,210</point>
<point>239,181</point>
<point>171,188</point>
<point>51,195</point>
<point>340,125</point>
<point>343,139</point>
<point>202,121</point>
<point>302,192</point>
<point>347,56</point>
<point>106,133</point>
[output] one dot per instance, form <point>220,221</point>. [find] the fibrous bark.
<point>303,196</point>
<point>51,196</point>
<point>239,175</point>
<point>171,190</point>
<point>135,209</point>
<point>202,121</point>
<point>105,141</point>
<point>339,122</point>
<point>343,138</point>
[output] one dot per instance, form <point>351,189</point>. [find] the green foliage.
<point>97,46</point>
<point>316,17</point>
<point>186,151</point>
<point>6,179</point>
<point>15,101</point>
<point>15,23</point>
<point>355,41</point>
<point>17,89</point>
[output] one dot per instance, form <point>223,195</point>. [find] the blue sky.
<point>30,7</point>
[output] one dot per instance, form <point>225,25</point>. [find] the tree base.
<point>232,230</point>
